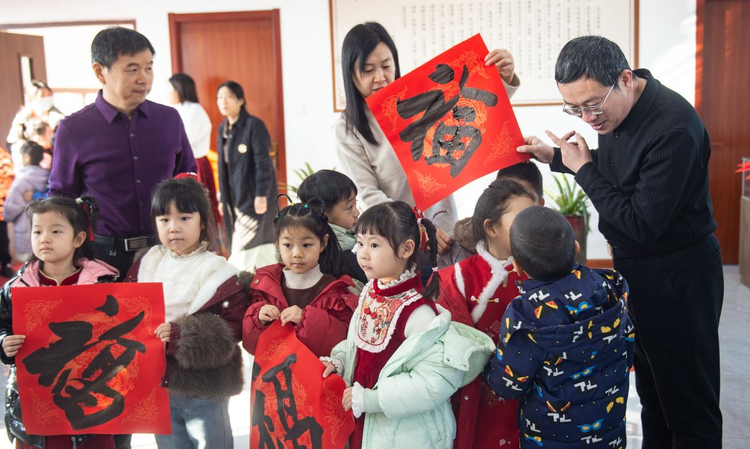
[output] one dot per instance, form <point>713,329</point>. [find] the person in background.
<point>40,104</point>
<point>525,173</point>
<point>247,179</point>
<point>42,133</point>
<point>369,63</point>
<point>339,194</point>
<point>30,179</point>
<point>184,98</point>
<point>120,147</point>
<point>6,178</point>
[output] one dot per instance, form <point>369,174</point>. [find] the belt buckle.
<point>136,243</point>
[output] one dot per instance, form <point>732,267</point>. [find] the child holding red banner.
<point>309,289</point>
<point>204,306</point>
<point>62,255</point>
<point>403,358</point>
<point>477,291</point>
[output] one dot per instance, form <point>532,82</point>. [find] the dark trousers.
<point>675,302</point>
<point>4,244</point>
<point>117,257</point>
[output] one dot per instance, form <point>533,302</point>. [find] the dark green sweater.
<point>649,178</point>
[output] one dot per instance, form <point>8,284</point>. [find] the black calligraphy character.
<point>72,395</point>
<point>286,407</point>
<point>448,145</point>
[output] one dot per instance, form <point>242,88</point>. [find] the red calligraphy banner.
<point>449,122</point>
<point>292,404</point>
<point>91,363</point>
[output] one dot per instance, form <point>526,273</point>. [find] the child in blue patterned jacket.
<point>566,343</point>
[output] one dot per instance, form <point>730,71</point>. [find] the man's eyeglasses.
<point>594,110</point>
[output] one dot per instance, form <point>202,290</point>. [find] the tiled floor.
<point>735,365</point>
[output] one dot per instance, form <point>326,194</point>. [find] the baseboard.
<point>599,263</point>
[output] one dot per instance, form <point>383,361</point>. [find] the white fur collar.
<point>302,281</point>
<point>499,275</point>
<point>405,276</point>
<point>497,266</point>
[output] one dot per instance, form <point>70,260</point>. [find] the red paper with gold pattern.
<point>77,338</point>
<point>291,401</point>
<point>449,122</point>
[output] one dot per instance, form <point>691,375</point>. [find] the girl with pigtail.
<point>62,255</point>
<point>308,290</point>
<point>403,358</point>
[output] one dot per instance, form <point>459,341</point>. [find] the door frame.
<point>176,20</point>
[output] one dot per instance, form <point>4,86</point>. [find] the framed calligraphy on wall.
<point>533,30</point>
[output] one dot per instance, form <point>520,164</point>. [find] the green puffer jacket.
<point>412,395</point>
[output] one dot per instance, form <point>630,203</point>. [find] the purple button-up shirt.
<point>118,161</point>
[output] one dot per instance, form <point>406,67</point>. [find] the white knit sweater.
<point>189,281</point>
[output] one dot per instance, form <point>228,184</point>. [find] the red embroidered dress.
<point>380,331</point>
<point>477,291</point>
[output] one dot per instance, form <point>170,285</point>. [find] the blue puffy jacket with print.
<point>566,350</point>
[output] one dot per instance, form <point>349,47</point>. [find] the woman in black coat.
<point>247,181</point>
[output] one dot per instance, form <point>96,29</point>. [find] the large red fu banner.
<point>292,404</point>
<point>449,122</point>
<point>91,363</point>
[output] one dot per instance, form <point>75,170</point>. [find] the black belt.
<point>131,244</point>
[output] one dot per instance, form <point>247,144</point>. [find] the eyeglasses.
<point>593,110</point>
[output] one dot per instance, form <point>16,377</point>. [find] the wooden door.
<point>14,47</point>
<point>241,46</point>
<point>723,101</point>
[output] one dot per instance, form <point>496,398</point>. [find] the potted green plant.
<point>302,174</point>
<point>572,203</point>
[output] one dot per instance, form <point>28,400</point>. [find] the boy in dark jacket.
<point>567,342</point>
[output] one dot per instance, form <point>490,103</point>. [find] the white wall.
<point>667,47</point>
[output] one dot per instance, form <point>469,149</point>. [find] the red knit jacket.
<point>324,322</point>
<point>477,291</point>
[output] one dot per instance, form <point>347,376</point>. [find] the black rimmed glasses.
<point>593,110</point>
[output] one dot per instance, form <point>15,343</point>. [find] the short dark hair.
<point>527,172</point>
<point>34,151</point>
<point>542,242</point>
<point>493,203</point>
<point>359,42</point>
<point>36,86</point>
<point>236,90</point>
<point>395,221</point>
<point>311,216</point>
<point>184,85</point>
<point>111,43</point>
<point>328,185</point>
<point>591,57</point>
<point>80,213</point>
<point>188,196</point>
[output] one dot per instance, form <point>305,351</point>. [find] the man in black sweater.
<point>649,182</point>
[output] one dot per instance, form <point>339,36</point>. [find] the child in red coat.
<point>308,290</point>
<point>477,291</point>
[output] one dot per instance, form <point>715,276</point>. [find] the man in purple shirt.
<point>117,149</point>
